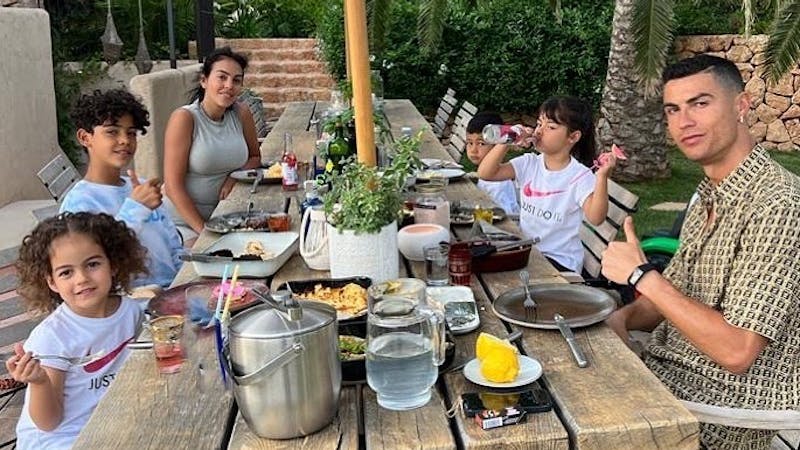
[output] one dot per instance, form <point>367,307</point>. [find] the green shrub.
<point>502,56</point>
<point>266,18</point>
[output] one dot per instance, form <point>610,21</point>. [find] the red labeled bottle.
<point>290,178</point>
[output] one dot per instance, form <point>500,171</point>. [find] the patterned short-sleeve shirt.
<point>745,264</point>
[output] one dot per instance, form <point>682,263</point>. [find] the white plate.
<point>456,294</point>
<point>426,175</point>
<point>445,164</point>
<point>281,244</point>
<point>529,371</point>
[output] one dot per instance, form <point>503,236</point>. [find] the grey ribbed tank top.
<point>218,148</point>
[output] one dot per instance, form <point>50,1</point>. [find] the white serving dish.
<point>454,316</point>
<point>281,244</point>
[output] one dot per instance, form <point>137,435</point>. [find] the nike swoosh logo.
<point>528,192</point>
<point>94,366</point>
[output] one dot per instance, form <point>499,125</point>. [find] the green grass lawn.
<point>679,188</point>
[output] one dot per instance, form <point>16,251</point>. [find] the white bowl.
<point>413,238</point>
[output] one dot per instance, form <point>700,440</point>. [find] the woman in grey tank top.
<point>207,140</point>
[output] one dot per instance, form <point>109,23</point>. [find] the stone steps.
<point>289,80</point>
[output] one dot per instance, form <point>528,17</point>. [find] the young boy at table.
<point>503,193</point>
<point>107,123</point>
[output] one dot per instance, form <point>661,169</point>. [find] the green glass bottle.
<point>338,149</point>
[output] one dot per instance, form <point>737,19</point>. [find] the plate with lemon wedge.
<point>270,175</point>
<point>498,364</point>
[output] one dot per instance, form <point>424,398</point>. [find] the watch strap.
<point>638,273</point>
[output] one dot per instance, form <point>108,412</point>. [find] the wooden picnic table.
<point>615,403</point>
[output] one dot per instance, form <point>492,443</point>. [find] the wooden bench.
<point>595,239</point>
<point>458,136</point>
<point>443,120</point>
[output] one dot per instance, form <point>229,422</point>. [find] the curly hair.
<point>101,107</point>
<point>126,255</point>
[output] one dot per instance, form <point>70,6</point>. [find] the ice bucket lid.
<point>266,322</point>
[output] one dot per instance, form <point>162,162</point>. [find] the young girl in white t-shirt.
<point>65,270</point>
<point>557,189</point>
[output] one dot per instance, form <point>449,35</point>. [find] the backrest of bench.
<point>595,239</point>
<point>458,138</point>
<point>443,120</point>
<point>58,176</point>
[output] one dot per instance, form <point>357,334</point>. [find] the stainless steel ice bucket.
<point>286,370</point>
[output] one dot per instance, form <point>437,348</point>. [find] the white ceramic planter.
<point>369,255</point>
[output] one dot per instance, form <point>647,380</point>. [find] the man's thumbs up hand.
<point>621,257</point>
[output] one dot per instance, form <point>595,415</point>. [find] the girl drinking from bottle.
<point>556,192</point>
<point>65,270</point>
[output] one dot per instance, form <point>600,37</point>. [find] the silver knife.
<point>577,352</point>
<point>205,258</point>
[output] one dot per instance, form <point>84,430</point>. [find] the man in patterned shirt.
<point>725,314</point>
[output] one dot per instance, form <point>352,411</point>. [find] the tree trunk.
<point>627,118</point>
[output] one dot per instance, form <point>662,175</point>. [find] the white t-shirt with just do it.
<point>552,208</point>
<point>65,333</point>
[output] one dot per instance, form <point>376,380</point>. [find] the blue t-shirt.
<point>154,228</point>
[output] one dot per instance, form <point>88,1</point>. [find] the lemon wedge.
<point>499,359</point>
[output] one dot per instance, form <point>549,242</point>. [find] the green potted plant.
<point>362,208</point>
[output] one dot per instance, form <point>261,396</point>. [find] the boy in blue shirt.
<point>107,124</point>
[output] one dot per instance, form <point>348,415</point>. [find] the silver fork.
<point>528,304</point>
<point>74,360</point>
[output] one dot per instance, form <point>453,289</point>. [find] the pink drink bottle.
<point>501,134</point>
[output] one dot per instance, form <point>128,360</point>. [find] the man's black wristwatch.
<point>638,273</point>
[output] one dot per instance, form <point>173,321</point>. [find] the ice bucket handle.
<point>270,366</point>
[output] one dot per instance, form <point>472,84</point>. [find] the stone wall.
<point>774,117</point>
<point>28,132</point>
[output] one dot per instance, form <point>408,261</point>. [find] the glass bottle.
<point>338,149</point>
<point>377,89</point>
<point>431,205</point>
<point>290,178</point>
<point>501,134</point>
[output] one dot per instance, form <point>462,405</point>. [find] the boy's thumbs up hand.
<point>621,257</point>
<point>147,193</point>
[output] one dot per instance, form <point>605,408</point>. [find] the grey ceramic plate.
<point>239,221</point>
<point>580,305</point>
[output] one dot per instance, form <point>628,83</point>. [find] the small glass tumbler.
<point>436,264</point>
<point>278,222</point>
<point>167,347</point>
<point>460,264</point>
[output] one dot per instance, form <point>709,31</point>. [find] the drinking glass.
<point>405,343</point>
<point>436,269</point>
<point>460,264</point>
<point>167,346</point>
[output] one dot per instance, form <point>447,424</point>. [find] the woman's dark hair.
<point>576,115</point>
<point>208,64</point>
<point>125,254</point>
<point>97,108</point>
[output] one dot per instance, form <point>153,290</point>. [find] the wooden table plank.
<point>614,403</point>
<point>424,428</point>
<point>144,409</point>
<point>341,434</point>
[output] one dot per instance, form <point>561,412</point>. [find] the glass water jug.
<point>405,343</point>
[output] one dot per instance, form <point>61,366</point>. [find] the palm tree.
<point>640,40</point>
